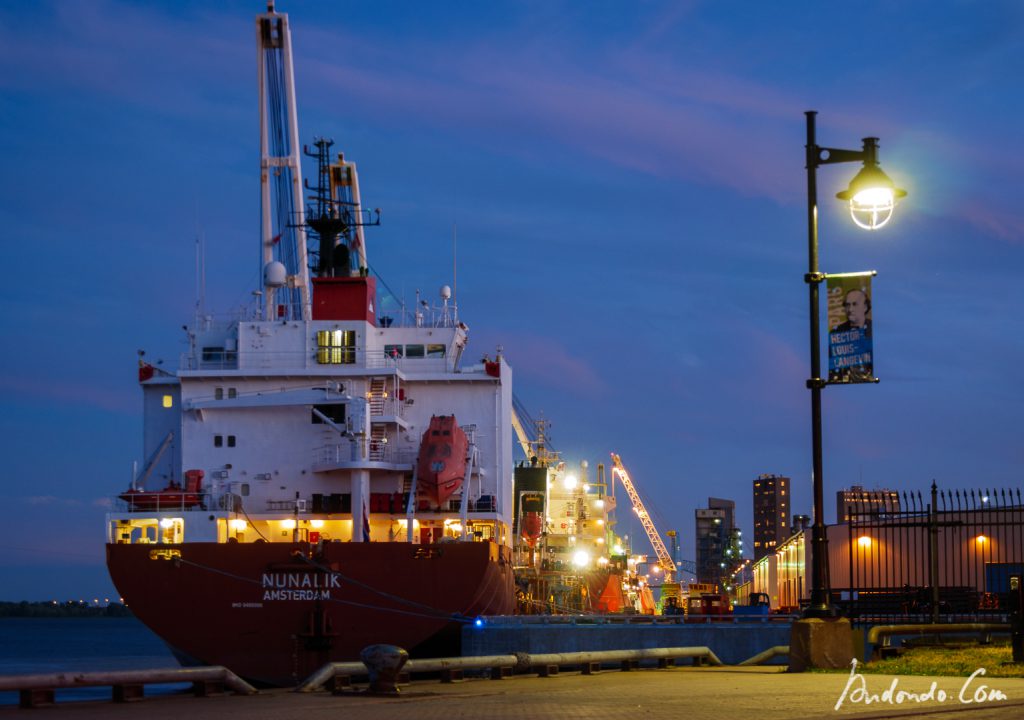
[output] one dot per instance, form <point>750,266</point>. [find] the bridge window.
<point>336,347</point>
<point>435,351</point>
<point>414,351</point>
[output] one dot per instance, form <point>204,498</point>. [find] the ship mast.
<point>284,265</point>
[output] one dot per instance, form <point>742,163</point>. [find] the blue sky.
<point>628,185</point>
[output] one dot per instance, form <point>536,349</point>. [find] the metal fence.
<point>928,558</point>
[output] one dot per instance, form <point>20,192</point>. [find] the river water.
<point>49,645</point>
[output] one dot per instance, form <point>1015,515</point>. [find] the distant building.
<point>771,513</point>
<point>715,525</point>
<point>865,502</point>
<point>800,523</point>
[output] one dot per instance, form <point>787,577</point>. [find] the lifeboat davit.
<point>441,467</point>
<point>172,497</point>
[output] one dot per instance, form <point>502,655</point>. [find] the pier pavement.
<point>687,693</point>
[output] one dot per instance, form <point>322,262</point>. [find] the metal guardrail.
<point>127,685</point>
<point>543,663</point>
<point>616,619</point>
<point>886,632</point>
<point>766,655</point>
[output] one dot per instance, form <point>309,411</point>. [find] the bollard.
<point>383,664</point>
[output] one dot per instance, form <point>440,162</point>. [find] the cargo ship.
<point>318,475</point>
<point>567,556</point>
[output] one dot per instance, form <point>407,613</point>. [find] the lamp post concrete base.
<point>820,643</point>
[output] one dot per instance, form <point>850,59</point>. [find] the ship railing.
<point>217,358</point>
<point>188,502</point>
<point>386,407</point>
<point>364,450</point>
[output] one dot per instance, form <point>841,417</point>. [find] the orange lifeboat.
<point>533,517</point>
<point>441,466</point>
<point>172,497</point>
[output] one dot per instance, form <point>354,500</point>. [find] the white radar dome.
<point>274,274</point>
<point>446,292</point>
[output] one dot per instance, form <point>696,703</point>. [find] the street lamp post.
<point>872,197</point>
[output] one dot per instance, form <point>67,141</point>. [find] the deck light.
<point>569,481</point>
<point>864,541</point>
<point>581,559</point>
<point>288,524</point>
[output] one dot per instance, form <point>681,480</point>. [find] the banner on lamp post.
<point>850,351</point>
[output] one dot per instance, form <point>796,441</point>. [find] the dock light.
<point>581,559</point>
<point>288,524</point>
<point>317,524</point>
<point>569,482</point>
<point>478,622</point>
<point>872,196</point>
<point>237,524</point>
<point>864,541</point>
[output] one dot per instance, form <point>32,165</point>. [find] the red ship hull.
<point>273,618</point>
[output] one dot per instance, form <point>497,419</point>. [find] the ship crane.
<point>664,559</point>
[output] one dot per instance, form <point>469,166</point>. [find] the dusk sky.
<point>628,184</point>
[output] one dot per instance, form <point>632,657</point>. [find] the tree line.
<point>71,608</point>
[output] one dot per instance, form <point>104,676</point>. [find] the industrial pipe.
<point>767,655</point>
<point>880,631</point>
<point>215,673</point>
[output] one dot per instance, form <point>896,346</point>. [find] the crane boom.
<point>664,559</point>
<point>524,440</point>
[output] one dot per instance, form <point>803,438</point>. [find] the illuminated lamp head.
<point>872,194</point>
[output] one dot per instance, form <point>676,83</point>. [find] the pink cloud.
<point>67,392</point>
<point>545,360</point>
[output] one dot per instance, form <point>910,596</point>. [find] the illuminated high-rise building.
<point>771,513</point>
